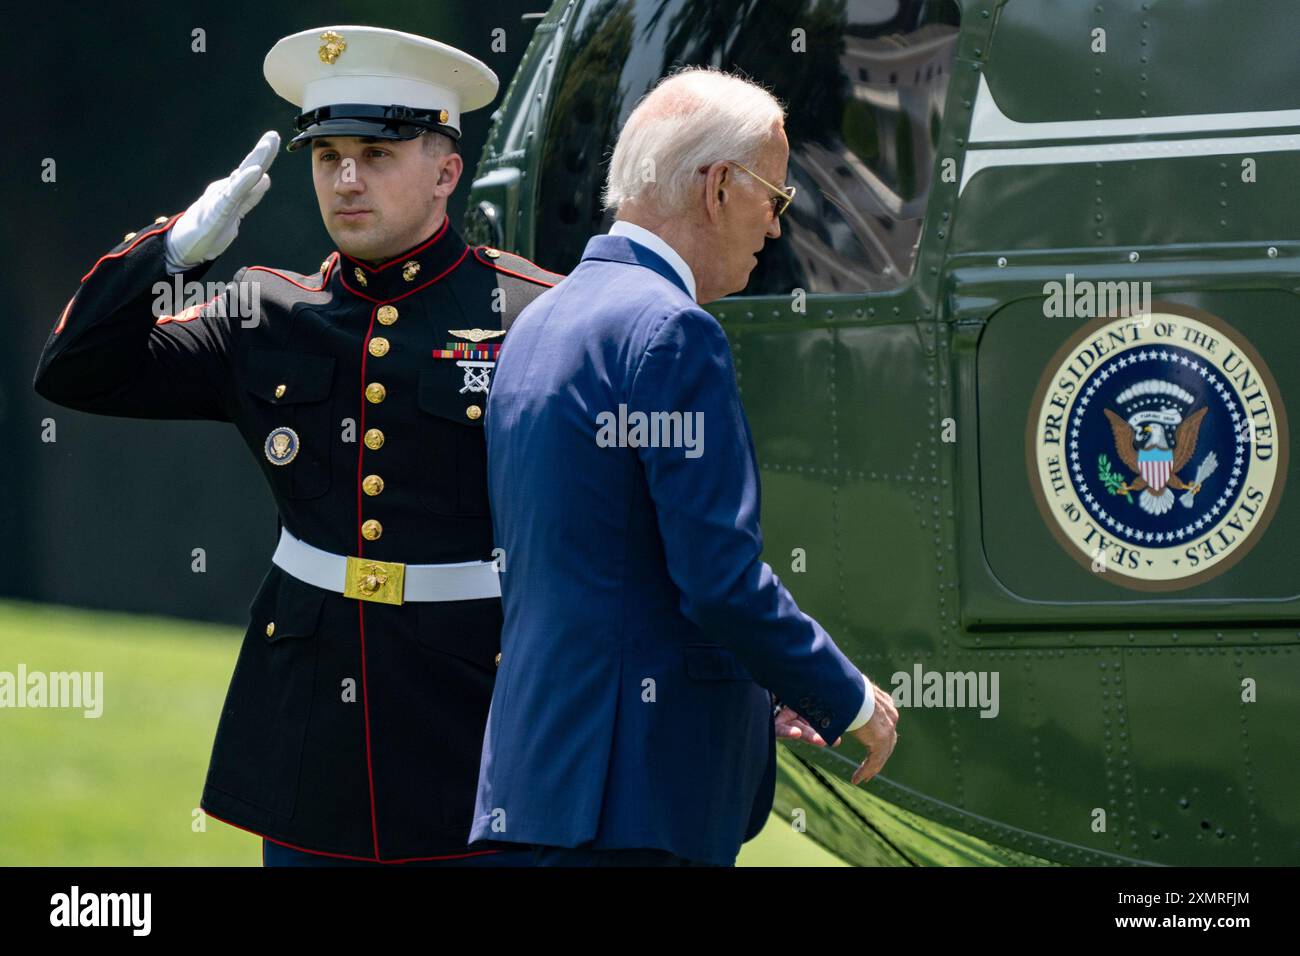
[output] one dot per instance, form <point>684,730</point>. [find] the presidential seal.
<point>281,446</point>
<point>1157,447</point>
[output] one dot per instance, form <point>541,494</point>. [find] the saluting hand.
<point>211,223</point>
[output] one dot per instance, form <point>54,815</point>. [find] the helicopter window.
<point>861,152</point>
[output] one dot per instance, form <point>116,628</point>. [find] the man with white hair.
<point>631,722</point>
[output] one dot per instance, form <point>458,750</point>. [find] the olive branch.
<point>1111,479</point>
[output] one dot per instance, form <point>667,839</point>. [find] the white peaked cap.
<point>377,67</point>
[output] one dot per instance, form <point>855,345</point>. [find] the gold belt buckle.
<point>379,581</point>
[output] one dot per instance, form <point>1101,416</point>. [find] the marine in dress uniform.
<point>360,390</point>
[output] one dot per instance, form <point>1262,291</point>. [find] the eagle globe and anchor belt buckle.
<point>385,582</point>
<point>379,581</point>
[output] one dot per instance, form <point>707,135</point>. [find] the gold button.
<point>270,629</point>
<point>375,393</point>
<point>128,237</point>
<point>387,315</point>
<point>160,220</point>
<point>492,253</point>
<point>372,484</point>
<point>498,658</point>
<point>473,413</point>
<point>280,390</point>
<point>379,346</point>
<point>374,439</point>
<point>371,530</point>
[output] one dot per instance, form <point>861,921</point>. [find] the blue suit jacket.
<point>641,625</point>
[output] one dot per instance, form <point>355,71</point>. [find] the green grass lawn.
<point>123,788</point>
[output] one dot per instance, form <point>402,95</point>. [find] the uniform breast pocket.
<point>291,397</point>
<point>453,455</point>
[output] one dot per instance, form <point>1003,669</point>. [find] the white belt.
<point>387,582</point>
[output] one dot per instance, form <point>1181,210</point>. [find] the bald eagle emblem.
<point>1155,441</point>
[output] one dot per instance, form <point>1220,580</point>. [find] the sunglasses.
<point>781,198</point>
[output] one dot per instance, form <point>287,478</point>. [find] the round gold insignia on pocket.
<point>281,446</point>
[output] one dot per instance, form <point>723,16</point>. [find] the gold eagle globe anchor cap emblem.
<point>332,46</point>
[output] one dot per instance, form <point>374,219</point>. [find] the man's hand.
<point>789,724</point>
<point>878,735</point>
<point>211,223</point>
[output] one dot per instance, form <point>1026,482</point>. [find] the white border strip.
<point>978,160</point>
<point>990,124</point>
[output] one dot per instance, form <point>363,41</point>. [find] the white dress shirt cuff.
<point>868,707</point>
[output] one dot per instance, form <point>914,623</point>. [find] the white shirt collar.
<point>645,237</point>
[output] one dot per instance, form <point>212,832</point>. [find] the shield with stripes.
<point>1155,467</point>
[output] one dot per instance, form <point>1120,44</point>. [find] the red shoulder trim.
<point>518,275</point>
<point>324,279</point>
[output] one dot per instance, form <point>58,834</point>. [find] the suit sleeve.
<point>707,506</point>
<point>117,349</point>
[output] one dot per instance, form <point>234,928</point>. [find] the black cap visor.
<point>392,122</point>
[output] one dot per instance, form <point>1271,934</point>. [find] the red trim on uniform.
<point>361,454</point>
<point>325,276</point>
<point>365,710</point>
<point>406,255</point>
<point>345,856</point>
<point>138,239</point>
<point>519,275</point>
<point>193,313</point>
<point>63,317</point>
<point>397,298</point>
<point>361,614</point>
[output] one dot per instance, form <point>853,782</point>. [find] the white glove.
<point>211,223</point>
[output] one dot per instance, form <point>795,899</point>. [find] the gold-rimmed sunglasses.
<point>781,198</point>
